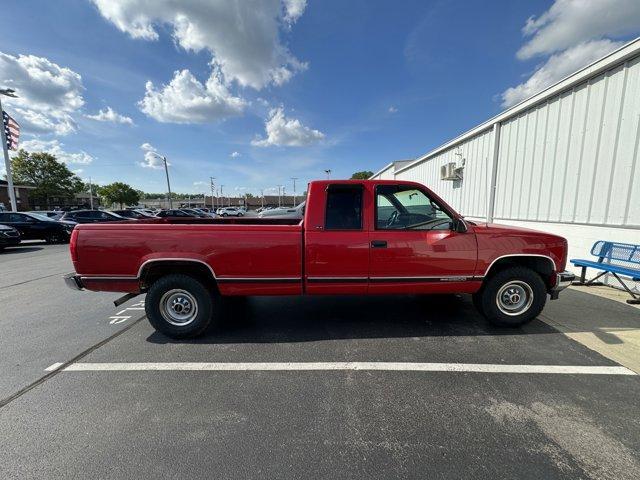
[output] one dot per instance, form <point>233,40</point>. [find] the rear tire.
<point>52,238</point>
<point>512,297</point>
<point>179,306</point>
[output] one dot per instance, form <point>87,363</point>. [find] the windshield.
<point>39,216</point>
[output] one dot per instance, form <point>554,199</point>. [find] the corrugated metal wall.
<point>469,195</point>
<point>572,159</point>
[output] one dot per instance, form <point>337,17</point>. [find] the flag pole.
<point>7,164</point>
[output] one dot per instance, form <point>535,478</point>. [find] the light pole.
<point>166,171</point>
<point>328,172</point>
<point>294,190</point>
<point>5,148</point>
<point>212,189</point>
<point>279,197</point>
<point>262,196</point>
<point>221,196</point>
<point>90,194</point>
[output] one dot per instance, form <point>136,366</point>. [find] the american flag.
<point>11,131</point>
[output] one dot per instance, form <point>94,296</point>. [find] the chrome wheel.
<point>178,307</point>
<point>514,298</point>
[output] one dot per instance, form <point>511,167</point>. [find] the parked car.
<point>174,213</point>
<point>9,237</point>
<point>92,216</point>
<point>33,226</point>
<point>207,211</point>
<point>230,212</point>
<point>283,212</point>
<point>132,214</point>
<point>196,212</point>
<point>54,214</point>
<point>358,237</point>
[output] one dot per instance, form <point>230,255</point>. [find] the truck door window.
<point>405,208</point>
<point>344,207</point>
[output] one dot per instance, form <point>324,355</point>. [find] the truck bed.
<point>243,254</point>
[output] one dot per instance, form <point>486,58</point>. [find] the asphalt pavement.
<point>134,403</point>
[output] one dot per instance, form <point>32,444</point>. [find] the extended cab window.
<point>401,207</point>
<point>344,207</point>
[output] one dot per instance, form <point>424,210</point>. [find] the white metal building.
<point>563,161</point>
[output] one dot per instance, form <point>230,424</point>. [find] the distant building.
<point>22,196</point>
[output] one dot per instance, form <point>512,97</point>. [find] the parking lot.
<point>348,387</point>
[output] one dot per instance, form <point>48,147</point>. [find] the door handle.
<point>378,244</point>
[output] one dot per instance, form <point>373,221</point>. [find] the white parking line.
<point>365,366</point>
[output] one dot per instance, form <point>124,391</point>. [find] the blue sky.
<point>292,88</point>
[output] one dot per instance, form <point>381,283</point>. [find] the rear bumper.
<point>73,281</point>
<point>563,280</point>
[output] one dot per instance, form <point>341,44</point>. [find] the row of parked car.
<point>55,226</point>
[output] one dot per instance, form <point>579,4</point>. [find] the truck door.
<point>415,247</point>
<point>337,240</point>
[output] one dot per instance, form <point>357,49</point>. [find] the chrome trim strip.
<point>337,279</point>
<point>431,279</point>
<point>108,277</point>
<point>441,278</point>
<point>259,279</point>
<point>553,264</point>
<point>173,259</point>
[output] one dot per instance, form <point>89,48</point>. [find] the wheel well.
<point>543,266</point>
<point>152,272</point>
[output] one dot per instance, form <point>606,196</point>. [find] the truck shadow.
<point>307,319</point>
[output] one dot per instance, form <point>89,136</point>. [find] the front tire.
<point>179,306</point>
<point>512,297</point>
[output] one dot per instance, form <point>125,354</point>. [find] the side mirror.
<point>459,226</point>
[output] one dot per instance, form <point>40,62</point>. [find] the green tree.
<point>363,175</point>
<point>93,187</point>
<point>43,171</point>
<point>118,192</point>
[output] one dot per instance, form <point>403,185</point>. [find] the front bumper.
<point>73,281</point>
<point>563,280</point>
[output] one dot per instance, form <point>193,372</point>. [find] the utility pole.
<point>5,149</point>
<point>90,194</point>
<point>294,190</point>
<point>212,189</point>
<point>166,171</point>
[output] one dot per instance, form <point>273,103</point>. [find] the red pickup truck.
<point>357,237</point>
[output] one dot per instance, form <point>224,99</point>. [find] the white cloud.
<point>48,94</point>
<point>186,100</point>
<point>36,123</point>
<point>200,184</point>
<point>110,115</point>
<point>570,22</point>
<point>243,37</point>
<point>288,132</point>
<point>571,35</point>
<point>234,154</point>
<point>557,67</point>
<point>54,147</point>
<point>151,158</point>
<point>78,171</point>
<point>392,109</point>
